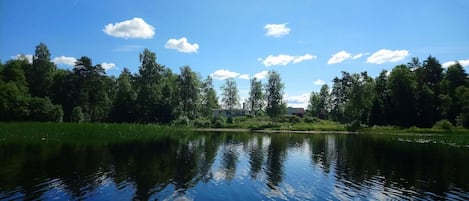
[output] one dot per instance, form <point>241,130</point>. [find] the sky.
<point>309,42</point>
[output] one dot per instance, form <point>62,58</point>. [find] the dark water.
<point>232,166</point>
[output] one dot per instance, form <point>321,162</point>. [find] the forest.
<point>413,94</point>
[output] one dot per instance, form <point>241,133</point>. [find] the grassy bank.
<point>287,123</point>
<point>416,130</point>
<point>80,133</point>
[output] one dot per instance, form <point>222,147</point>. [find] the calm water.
<point>234,166</point>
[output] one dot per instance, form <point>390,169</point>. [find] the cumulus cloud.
<point>69,61</point>
<point>29,57</point>
<point>319,82</point>
<point>134,28</point>
<point>108,66</point>
<point>223,74</point>
<point>276,30</point>
<point>283,59</point>
<point>464,63</point>
<point>244,76</point>
<point>357,56</point>
<point>384,56</point>
<point>297,101</point>
<point>339,57</point>
<point>181,45</point>
<point>305,57</point>
<point>261,75</point>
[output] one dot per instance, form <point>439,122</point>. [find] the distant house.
<point>298,111</point>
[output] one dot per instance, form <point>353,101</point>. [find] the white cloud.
<point>339,57</point>
<point>357,56</point>
<point>319,82</point>
<point>223,74</point>
<point>244,76</point>
<point>283,59</point>
<point>261,75</point>
<point>277,30</point>
<point>384,55</point>
<point>69,61</point>
<point>303,58</point>
<point>464,63</point>
<point>297,101</point>
<point>181,45</point>
<point>134,28</point>
<point>108,66</point>
<point>28,56</point>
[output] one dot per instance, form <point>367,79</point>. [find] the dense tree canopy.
<point>415,94</point>
<point>409,95</point>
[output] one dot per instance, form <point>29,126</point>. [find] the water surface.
<point>239,166</point>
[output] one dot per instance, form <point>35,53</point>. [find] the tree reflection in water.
<point>199,164</point>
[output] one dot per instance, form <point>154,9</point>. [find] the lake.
<point>239,166</point>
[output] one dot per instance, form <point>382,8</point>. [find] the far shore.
<point>272,131</point>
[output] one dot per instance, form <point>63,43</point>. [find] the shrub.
<point>77,115</point>
<point>443,124</point>
<point>353,126</point>
<point>229,120</point>
<point>290,119</point>
<point>309,119</point>
<point>201,123</point>
<point>182,121</point>
<point>218,122</point>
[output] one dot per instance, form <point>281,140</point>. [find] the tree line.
<point>39,91</point>
<point>415,94</point>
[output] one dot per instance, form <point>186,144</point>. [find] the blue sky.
<point>308,42</point>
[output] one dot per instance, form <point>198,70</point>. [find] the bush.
<point>201,123</point>
<point>309,119</point>
<point>182,121</point>
<point>229,120</point>
<point>353,126</point>
<point>77,115</point>
<point>42,109</point>
<point>218,122</point>
<point>443,124</point>
<point>290,119</point>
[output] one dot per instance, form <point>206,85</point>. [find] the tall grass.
<point>36,132</point>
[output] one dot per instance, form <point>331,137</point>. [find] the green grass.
<point>85,133</point>
<point>416,130</point>
<point>284,123</point>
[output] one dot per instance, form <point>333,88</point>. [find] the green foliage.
<point>41,73</point>
<point>123,109</point>
<point>209,99</point>
<point>189,87</point>
<point>353,126</point>
<point>201,123</point>
<point>289,119</point>
<point>310,120</point>
<point>42,109</point>
<point>443,124</point>
<point>274,95</point>
<point>77,115</point>
<point>319,103</point>
<point>182,121</point>
<point>402,87</point>
<point>256,97</point>
<point>230,97</point>
<point>416,94</point>
<point>218,122</point>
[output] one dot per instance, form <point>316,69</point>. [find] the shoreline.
<point>271,131</point>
